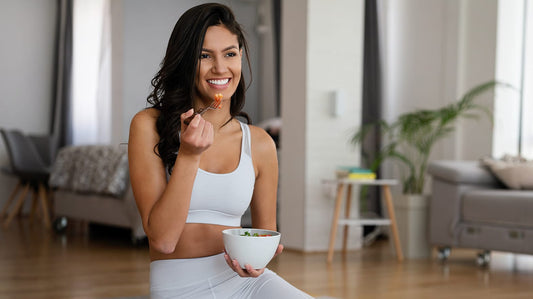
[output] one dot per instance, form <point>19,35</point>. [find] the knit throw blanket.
<point>100,169</point>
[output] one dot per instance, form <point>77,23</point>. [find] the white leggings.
<point>210,277</point>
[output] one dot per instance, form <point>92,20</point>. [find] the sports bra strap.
<point>246,144</point>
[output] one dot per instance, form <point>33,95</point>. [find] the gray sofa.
<point>91,183</point>
<point>470,208</point>
<point>98,208</point>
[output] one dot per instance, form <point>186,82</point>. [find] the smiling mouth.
<point>218,81</point>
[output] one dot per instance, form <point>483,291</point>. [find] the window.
<point>91,72</point>
<point>513,127</point>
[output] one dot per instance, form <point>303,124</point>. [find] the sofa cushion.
<point>468,172</point>
<point>514,172</point>
<point>498,207</point>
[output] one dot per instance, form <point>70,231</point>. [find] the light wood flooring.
<point>100,262</point>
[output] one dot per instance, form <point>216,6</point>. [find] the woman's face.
<point>219,68</point>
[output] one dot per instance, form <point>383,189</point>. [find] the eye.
<point>204,56</point>
<point>231,54</point>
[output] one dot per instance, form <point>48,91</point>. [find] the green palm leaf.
<point>417,132</point>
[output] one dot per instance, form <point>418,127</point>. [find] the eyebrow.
<point>225,49</point>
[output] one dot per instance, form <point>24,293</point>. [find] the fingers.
<point>247,272</point>
<point>194,121</point>
<point>207,131</point>
<point>279,250</point>
<point>186,115</point>
<point>253,272</point>
<point>197,136</point>
<point>228,260</point>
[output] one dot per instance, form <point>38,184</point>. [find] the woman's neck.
<point>218,118</point>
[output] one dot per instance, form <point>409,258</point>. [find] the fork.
<point>214,105</point>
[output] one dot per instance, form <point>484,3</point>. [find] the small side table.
<point>391,221</point>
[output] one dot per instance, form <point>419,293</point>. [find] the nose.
<point>219,65</point>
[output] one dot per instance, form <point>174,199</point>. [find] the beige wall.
<point>293,92</point>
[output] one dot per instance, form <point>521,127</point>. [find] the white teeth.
<point>218,82</point>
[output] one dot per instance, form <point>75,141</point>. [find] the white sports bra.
<point>222,198</point>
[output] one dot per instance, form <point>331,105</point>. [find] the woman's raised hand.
<point>197,136</point>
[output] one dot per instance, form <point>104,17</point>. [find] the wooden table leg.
<point>394,227</point>
<point>10,199</point>
<point>335,220</point>
<point>18,206</point>
<point>347,216</point>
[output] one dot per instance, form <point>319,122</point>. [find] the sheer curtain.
<point>526,144</point>
<point>91,72</point>
<point>513,128</point>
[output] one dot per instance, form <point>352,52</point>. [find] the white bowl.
<point>255,251</point>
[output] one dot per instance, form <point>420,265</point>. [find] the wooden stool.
<point>391,221</point>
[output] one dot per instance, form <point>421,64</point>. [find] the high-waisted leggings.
<point>210,277</point>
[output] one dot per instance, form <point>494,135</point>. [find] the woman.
<point>193,181</point>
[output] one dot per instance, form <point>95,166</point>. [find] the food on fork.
<point>216,104</point>
<point>218,100</point>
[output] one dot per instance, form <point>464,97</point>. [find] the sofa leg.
<point>18,187</point>
<point>443,253</point>
<point>483,258</point>
<point>60,224</point>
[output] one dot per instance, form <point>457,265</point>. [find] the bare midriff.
<point>196,240</point>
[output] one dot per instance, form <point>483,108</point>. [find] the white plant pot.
<point>412,219</point>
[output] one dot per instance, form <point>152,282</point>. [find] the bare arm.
<point>164,206</point>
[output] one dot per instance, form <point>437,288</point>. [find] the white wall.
<point>27,30</point>
<point>316,60</point>
<point>335,60</point>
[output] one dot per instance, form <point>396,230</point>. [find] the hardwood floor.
<point>102,263</point>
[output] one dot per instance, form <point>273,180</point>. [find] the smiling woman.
<point>192,180</point>
<point>219,69</point>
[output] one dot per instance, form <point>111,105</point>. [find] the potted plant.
<point>410,140</point>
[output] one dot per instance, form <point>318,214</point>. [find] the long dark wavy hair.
<point>174,84</point>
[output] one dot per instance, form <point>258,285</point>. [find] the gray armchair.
<point>470,208</point>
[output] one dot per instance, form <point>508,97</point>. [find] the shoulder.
<point>262,143</point>
<point>144,119</point>
<point>143,126</point>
